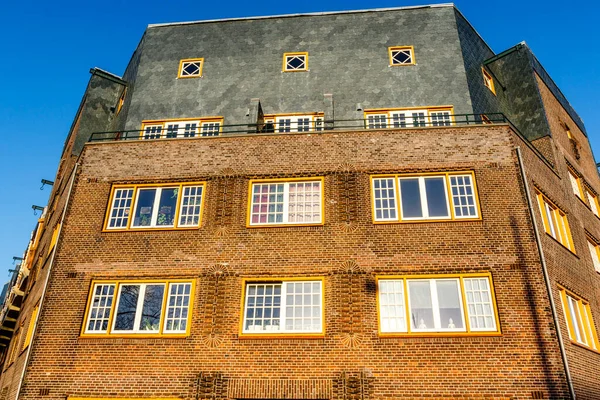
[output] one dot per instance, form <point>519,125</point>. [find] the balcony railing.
<point>318,125</point>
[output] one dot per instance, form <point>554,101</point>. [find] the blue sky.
<point>48,47</point>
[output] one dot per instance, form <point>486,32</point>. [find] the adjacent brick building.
<point>357,205</point>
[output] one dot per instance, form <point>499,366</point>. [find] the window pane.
<point>463,196</point>
<point>437,202</point>
<point>576,318</point>
<point>392,312</point>
<point>267,203</point>
<point>167,207</point>
<point>592,200</point>
<point>152,308</point>
<point>299,307</point>
<point>121,204</point>
<point>99,314</point>
<point>189,208</point>
<point>410,198</point>
<point>385,199</point>
<point>144,207</point>
<point>421,306</point>
<point>594,253</point>
<point>263,307</point>
<point>178,307</point>
<point>304,202</point>
<point>451,316</point>
<point>128,298</point>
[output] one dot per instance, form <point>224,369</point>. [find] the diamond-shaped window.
<point>296,62</point>
<point>190,68</point>
<point>401,55</point>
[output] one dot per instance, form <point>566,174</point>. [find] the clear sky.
<point>48,47</point>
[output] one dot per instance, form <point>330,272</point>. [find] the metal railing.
<point>373,121</point>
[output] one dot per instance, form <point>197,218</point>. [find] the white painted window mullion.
<point>155,206</point>
<point>435,305</point>
<point>282,305</point>
<point>423,193</point>
<point>286,202</point>
<point>139,308</point>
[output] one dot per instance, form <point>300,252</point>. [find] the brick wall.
<point>348,251</point>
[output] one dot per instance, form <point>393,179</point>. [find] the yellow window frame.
<point>488,81</point>
<point>123,398</point>
<point>54,238</point>
<point>164,122</point>
<point>559,222</point>
<point>251,184</point>
<point>592,199</point>
<point>460,277</point>
<point>446,175</point>
<point>121,101</point>
<point>118,283</point>
<point>293,335</point>
<point>30,327</point>
<point>594,247</point>
<point>574,176</point>
<point>135,189</point>
<point>586,324</point>
<point>401,48</point>
<point>190,60</point>
<point>294,54</point>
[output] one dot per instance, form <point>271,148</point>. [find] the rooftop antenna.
<point>46,182</point>
<point>36,209</point>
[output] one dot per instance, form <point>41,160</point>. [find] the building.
<point>353,205</point>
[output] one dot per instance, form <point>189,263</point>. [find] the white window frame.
<point>183,128</point>
<point>575,184</point>
<point>409,118</point>
<point>448,194</point>
<point>286,201</point>
<point>593,201</point>
<point>578,317</point>
<point>129,213</point>
<point>595,253</point>
<point>315,123</point>
<point>116,298</point>
<point>552,216</point>
<point>283,308</point>
<point>405,306</point>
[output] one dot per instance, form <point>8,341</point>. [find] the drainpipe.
<point>40,309</point>
<point>538,240</point>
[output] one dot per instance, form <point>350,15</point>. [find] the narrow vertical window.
<point>488,81</point>
<point>593,201</point>
<point>190,207</point>
<point>479,304</point>
<point>178,305</point>
<point>580,324</point>
<point>99,313</point>
<point>576,184</point>
<point>555,222</point>
<point>384,194</point>
<point>595,253</point>
<point>391,306</point>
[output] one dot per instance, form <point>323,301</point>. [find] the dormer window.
<point>294,62</point>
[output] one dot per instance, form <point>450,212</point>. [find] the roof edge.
<point>302,15</point>
<point>106,74</point>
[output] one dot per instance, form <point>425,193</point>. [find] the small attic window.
<point>294,62</point>
<point>401,55</point>
<point>121,101</point>
<point>191,68</point>
<point>488,81</point>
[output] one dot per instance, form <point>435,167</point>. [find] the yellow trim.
<point>445,174</point>
<point>118,283</point>
<point>559,220</point>
<point>30,327</point>
<point>388,111</point>
<point>179,76</point>
<point>298,53</point>
<point>487,77</point>
<point>585,313</point>
<point>308,114</point>
<point>123,398</point>
<point>460,277</point>
<point>285,180</point>
<point>54,238</point>
<point>121,101</point>
<point>135,188</point>
<point>294,335</point>
<point>428,108</point>
<point>412,53</point>
<point>485,119</point>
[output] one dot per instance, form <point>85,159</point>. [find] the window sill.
<point>135,336</point>
<point>562,245</point>
<point>151,229</point>
<point>583,346</point>
<point>283,225</point>
<point>421,221</point>
<point>437,334</point>
<point>281,336</point>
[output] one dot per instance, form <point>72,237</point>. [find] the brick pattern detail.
<point>280,389</point>
<point>210,386</point>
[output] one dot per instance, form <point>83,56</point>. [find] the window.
<point>286,306</point>
<point>191,68</point>
<point>488,81</point>
<point>187,128</point>
<point>175,205</point>
<point>30,327</point>
<point>595,253</point>
<point>285,123</point>
<point>293,62</point>
<point>139,307</point>
<point>580,324</point>
<point>54,238</point>
<point>447,304</point>
<point>121,101</point>
<point>593,201</point>
<point>283,202</point>
<point>555,222</point>
<point>485,119</point>
<point>409,118</point>
<point>576,184</point>
<point>442,196</point>
<point>401,55</point>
